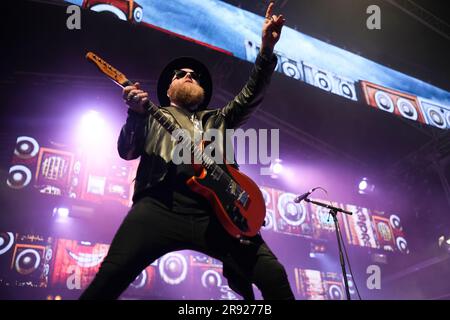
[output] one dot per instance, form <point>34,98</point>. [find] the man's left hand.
<point>271,30</point>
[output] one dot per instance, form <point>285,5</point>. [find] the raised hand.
<point>271,30</point>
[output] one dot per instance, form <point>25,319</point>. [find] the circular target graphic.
<point>6,241</point>
<point>335,292</point>
<point>395,222</point>
<point>407,109</point>
<point>290,69</point>
<point>26,147</point>
<point>402,245</point>
<point>19,177</point>
<point>292,213</point>
<point>347,90</point>
<point>27,261</point>
<point>137,14</point>
<point>436,118</point>
<point>211,279</point>
<point>383,101</point>
<point>322,81</point>
<point>173,268</point>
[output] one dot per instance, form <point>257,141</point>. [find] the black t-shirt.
<point>173,191</point>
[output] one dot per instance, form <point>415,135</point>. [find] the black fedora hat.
<point>184,62</point>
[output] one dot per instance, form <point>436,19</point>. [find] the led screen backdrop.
<point>66,266</point>
<point>237,32</point>
<point>73,174</point>
<point>65,173</point>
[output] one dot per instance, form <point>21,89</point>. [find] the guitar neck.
<point>154,111</point>
<point>172,127</point>
<point>182,136</point>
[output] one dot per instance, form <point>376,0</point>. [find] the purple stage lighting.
<point>61,212</point>
<point>276,168</point>
<point>93,131</point>
<point>444,243</point>
<point>365,186</point>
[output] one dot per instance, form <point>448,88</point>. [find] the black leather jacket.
<point>143,136</point>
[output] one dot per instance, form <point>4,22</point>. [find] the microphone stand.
<point>333,212</point>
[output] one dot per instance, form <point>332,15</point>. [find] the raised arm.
<point>237,111</point>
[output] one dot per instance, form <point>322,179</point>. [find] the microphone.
<point>303,196</point>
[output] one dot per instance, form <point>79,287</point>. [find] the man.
<point>167,215</point>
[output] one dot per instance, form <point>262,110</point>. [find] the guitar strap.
<point>190,123</point>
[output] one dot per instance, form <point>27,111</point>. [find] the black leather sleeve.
<point>237,111</point>
<point>132,136</point>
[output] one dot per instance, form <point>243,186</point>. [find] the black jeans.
<point>150,230</point>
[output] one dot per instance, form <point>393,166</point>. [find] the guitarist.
<point>166,215</point>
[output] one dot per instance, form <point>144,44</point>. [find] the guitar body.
<point>231,212</point>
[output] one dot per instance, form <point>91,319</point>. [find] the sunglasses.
<point>181,74</point>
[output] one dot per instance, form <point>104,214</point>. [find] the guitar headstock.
<point>107,69</point>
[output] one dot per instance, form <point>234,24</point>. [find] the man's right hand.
<point>135,98</point>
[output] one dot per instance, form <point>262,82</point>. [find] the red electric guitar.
<point>234,197</point>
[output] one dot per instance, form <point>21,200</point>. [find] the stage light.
<point>61,212</point>
<point>317,250</point>
<point>379,258</point>
<point>93,132</point>
<point>276,168</point>
<point>444,243</point>
<point>365,187</point>
<point>92,121</point>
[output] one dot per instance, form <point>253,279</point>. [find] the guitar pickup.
<point>216,174</point>
<point>232,188</point>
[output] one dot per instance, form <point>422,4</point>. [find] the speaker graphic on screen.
<point>329,81</point>
<point>30,260</point>
<point>7,240</point>
<point>122,9</point>
<point>290,68</point>
<point>392,101</point>
<point>397,229</point>
<point>435,114</point>
<point>23,163</point>
<point>173,268</point>
<point>269,219</point>
<point>53,171</point>
<point>290,217</point>
<point>334,290</point>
